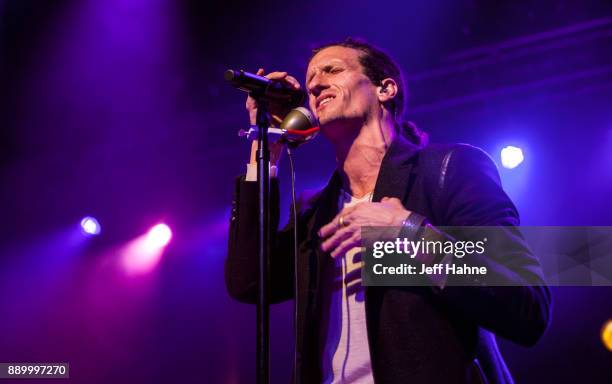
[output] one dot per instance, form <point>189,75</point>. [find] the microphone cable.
<point>296,378</point>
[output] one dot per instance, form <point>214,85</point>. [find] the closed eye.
<point>332,70</point>
<point>326,69</point>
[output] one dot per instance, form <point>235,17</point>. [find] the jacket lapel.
<point>326,209</point>
<point>394,175</point>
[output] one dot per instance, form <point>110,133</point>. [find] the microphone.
<point>260,86</point>
<point>298,127</point>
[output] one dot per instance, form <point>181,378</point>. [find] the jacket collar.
<point>393,177</point>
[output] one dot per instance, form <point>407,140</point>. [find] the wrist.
<point>251,173</point>
<point>412,225</point>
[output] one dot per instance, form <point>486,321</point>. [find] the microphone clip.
<point>276,134</point>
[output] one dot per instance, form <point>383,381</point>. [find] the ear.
<point>387,90</point>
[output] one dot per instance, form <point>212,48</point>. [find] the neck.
<point>359,158</point>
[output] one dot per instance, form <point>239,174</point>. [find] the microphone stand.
<point>263,282</point>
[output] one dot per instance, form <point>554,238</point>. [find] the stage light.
<point>144,253</point>
<point>159,236</point>
<point>90,226</point>
<point>511,157</point>
<point>606,335</point>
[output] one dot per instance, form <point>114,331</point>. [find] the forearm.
<point>241,267</point>
<point>511,300</point>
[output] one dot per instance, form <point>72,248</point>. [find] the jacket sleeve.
<point>471,195</point>
<point>241,264</point>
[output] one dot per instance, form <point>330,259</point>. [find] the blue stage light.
<point>511,157</point>
<point>90,226</point>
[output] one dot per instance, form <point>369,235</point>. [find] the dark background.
<point>118,109</point>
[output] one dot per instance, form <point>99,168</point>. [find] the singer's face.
<point>341,96</point>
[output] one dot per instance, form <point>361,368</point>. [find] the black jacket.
<point>416,334</point>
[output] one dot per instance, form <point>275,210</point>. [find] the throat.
<point>360,161</point>
<point>360,175</point>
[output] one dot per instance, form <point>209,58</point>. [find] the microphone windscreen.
<point>299,119</point>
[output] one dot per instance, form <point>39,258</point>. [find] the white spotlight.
<point>90,226</point>
<point>511,157</point>
<point>159,236</point>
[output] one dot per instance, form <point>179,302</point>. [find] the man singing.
<point>386,175</point>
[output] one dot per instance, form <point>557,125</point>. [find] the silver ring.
<point>341,222</point>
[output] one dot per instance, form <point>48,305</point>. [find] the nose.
<point>317,84</point>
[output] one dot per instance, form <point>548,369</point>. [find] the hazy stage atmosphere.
<point>119,149</point>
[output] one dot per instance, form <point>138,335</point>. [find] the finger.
<point>260,71</point>
<point>347,245</point>
<point>348,211</point>
<point>329,228</point>
<point>293,81</point>
<point>284,77</point>
<point>394,200</point>
<point>391,200</point>
<point>276,75</point>
<point>337,238</point>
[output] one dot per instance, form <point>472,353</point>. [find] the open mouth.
<point>324,101</point>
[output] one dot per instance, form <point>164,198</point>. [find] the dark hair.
<point>377,66</point>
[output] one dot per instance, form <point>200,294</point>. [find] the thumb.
<point>392,200</point>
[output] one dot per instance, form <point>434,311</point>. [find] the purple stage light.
<point>90,226</point>
<point>159,236</point>
<point>144,253</point>
<point>511,157</point>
